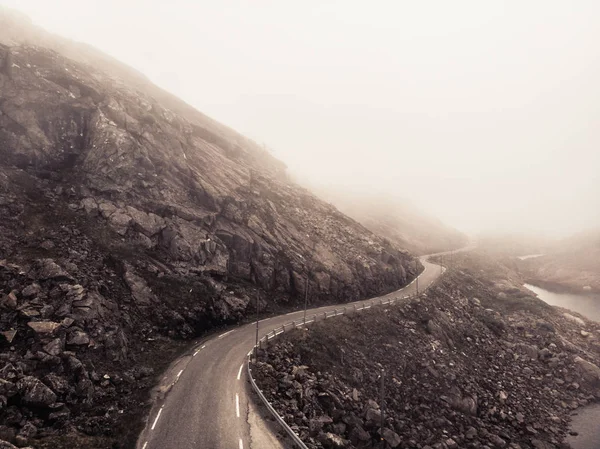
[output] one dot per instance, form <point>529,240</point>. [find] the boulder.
<point>9,335</point>
<point>48,269</point>
<point>43,327</point>
<point>54,347</point>
<point>589,371</point>
<point>391,437</point>
<point>10,300</point>
<point>31,290</point>
<point>79,338</point>
<point>34,393</point>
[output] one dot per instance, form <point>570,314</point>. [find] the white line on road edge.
<point>196,353</point>
<point>179,374</point>
<point>241,366</point>
<point>264,319</point>
<point>145,444</point>
<point>156,420</point>
<point>291,313</point>
<point>229,332</point>
<point>237,405</point>
<point>241,444</point>
<point>203,346</point>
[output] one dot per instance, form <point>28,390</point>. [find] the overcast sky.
<point>484,113</point>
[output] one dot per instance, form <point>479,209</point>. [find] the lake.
<point>587,420</point>
<point>587,304</point>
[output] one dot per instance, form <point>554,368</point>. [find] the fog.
<point>484,114</point>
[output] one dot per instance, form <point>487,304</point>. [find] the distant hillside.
<point>397,220</point>
<point>573,263</point>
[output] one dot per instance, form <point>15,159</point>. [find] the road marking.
<point>291,313</point>
<point>242,366</point>
<point>179,374</point>
<point>196,353</point>
<point>265,319</point>
<point>309,321</point>
<point>203,346</point>
<point>237,405</point>
<point>241,444</point>
<point>229,332</point>
<point>145,444</point>
<point>156,420</point>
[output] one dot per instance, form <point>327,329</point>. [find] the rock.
<point>471,433</point>
<point>48,269</point>
<point>56,383</point>
<point>585,334</point>
<point>451,444</point>
<point>497,441</point>
<point>391,437</point>
<point>33,392</point>
<point>331,440</point>
<point>9,301</point>
<point>589,371</point>
<point>574,319</point>
<point>78,338</point>
<point>43,327</point>
<point>9,335</point>
<point>373,415</point>
<point>54,347</point>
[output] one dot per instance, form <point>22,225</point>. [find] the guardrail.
<point>294,325</point>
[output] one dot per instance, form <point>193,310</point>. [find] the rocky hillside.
<point>572,264</point>
<point>130,221</point>
<point>397,220</point>
<point>477,363</point>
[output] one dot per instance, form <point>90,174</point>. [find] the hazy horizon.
<point>483,115</point>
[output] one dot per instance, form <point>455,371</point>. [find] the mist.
<point>482,114</point>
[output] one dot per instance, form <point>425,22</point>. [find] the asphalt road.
<point>205,402</point>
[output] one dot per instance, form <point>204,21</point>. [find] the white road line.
<point>156,420</point>
<point>179,374</point>
<point>265,319</point>
<point>196,353</point>
<point>237,405</point>
<point>145,444</point>
<point>203,346</point>
<point>242,366</point>
<point>229,332</point>
<point>291,313</point>
<point>241,444</point>
<point>310,321</point>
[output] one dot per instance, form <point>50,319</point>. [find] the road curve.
<point>206,403</point>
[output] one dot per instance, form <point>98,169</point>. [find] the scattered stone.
<point>43,327</point>
<point>35,393</point>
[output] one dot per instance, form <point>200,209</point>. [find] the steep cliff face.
<point>127,220</point>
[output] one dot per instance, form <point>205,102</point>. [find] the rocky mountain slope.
<point>478,362</point>
<point>129,222</point>
<point>397,220</point>
<point>573,264</point>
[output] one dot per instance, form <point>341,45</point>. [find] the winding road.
<point>205,401</point>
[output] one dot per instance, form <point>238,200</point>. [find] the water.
<point>587,304</point>
<point>587,420</point>
<point>587,424</point>
<point>529,256</point>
